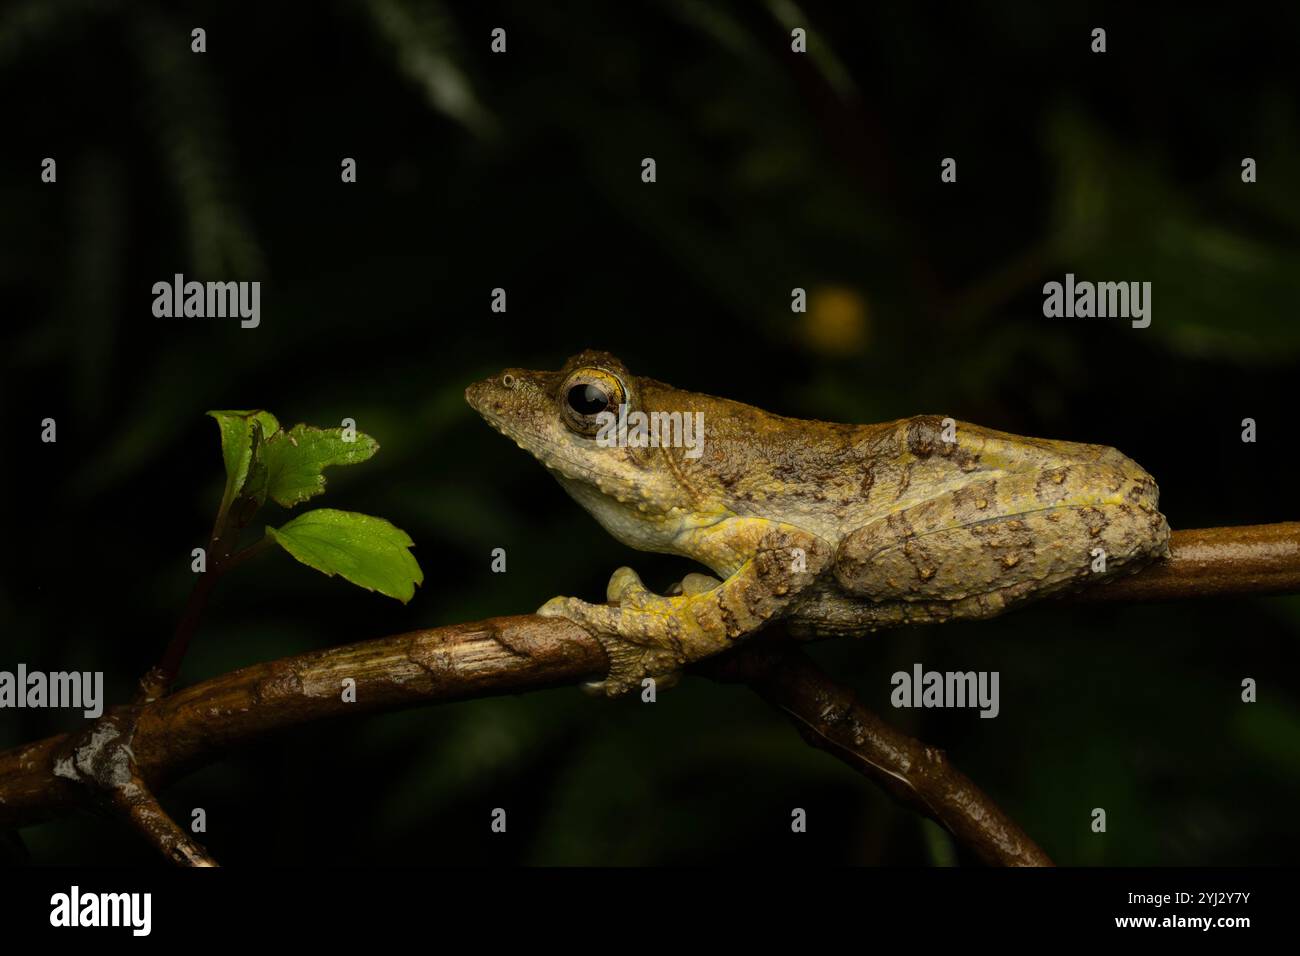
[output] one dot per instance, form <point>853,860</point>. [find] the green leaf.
<point>368,551</point>
<point>296,458</point>
<point>241,433</point>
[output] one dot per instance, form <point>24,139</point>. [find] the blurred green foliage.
<point>522,171</point>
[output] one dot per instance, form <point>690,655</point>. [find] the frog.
<point>830,529</point>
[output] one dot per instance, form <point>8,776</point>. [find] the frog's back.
<point>832,479</point>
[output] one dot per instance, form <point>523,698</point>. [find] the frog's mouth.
<point>485,398</point>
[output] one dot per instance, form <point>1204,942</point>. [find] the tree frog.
<point>834,529</point>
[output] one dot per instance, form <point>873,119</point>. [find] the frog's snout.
<point>474,395</point>
<point>486,396</point>
<point>492,397</point>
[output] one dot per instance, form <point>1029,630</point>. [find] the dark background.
<point>775,170</point>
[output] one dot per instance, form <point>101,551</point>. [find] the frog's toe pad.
<point>614,687</point>
<point>555,607</point>
<point>625,587</point>
<point>695,583</point>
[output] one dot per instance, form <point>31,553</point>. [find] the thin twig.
<point>160,678</point>
<point>145,814</point>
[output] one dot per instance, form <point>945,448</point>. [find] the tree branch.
<point>1213,562</point>
<point>157,741</point>
<point>831,718</point>
<point>186,729</point>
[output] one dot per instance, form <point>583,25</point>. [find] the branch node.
<point>100,761</point>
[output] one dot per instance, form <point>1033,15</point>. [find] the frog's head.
<point>562,419</point>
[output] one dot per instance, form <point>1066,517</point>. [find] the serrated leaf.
<point>295,460</point>
<point>241,432</point>
<point>368,551</point>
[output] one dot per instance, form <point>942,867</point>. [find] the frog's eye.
<point>585,394</point>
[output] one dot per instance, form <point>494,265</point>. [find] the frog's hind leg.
<point>975,551</point>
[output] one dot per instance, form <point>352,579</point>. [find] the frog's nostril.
<point>507,380</point>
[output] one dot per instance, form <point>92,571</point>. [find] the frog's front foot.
<point>639,630</point>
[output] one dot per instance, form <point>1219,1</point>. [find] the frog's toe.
<point>611,687</point>
<point>555,607</point>
<point>668,679</point>
<point>625,587</point>
<point>605,688</point>
<point>596,619</point>
<point>698,583</point>
<point>693,584</point>
<point>629,671</point>
<point>622,579</point>
<point>593,617</point>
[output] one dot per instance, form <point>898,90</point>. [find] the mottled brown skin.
<point>833,528</point>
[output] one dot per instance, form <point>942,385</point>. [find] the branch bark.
<point>1213,562</point>
<point>186,729</point>
<point>831,718</point>
<point>172,735</point>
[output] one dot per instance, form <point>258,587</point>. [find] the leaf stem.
<point>264,543</point>
<point>159,679</point>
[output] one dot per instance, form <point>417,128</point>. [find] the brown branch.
<point>142,810</point>
<point>1213,562</point>
<point>175,734</point>
<point>186,729</point>
<point>830,717</point>
<point>100,761</point>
